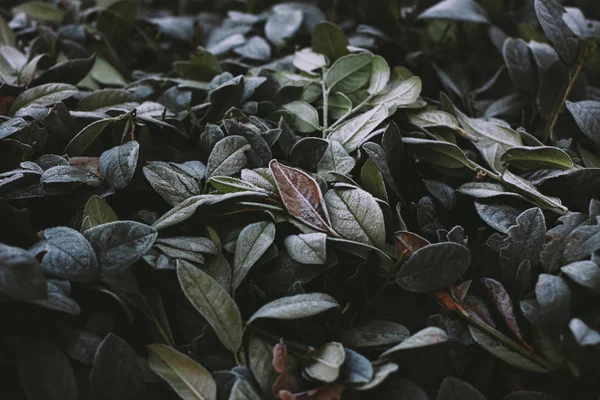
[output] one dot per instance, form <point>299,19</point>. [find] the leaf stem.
<point>325,102</point>
<point>473,166</point>
<point>450,303</point>
<point>558,108</point>
<point>352,111</point>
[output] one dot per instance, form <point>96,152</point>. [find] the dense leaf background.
<point>251,199</point>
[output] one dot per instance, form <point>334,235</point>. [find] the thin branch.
<point>558,108</point>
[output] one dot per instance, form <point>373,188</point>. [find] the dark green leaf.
<point>295,307</point>
<point>190,380</point>
<point>434,267</point>
<point>119,244</point>
<point>550,15</point>
<point>356,215</point>
<point>44,95</point>
<point>45,372</point>
<point>251,244</point>
<point>118,164</point>
<point>68,255</point>
<point>116,373</point>
<point>329,40</point>
<point>455,389</point>
<point>213,302</point>
<point>20,274</point>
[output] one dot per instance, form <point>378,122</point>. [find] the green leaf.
<point>442,154</point>
<point>535,158</point>
<point>307,60</point>
<point>380,374</point>
<point>119,163</point>
<point>260,362</point>
<point>434,267</point>
<point>79,144</point>
<point>456,10</point>
<point>187,208</point>
<point>399,92</point>
<point>307,248</point>
<point>335,160</point>
<point>203,65</point>
<point>213,302</point>
<point>587,116</point>
<point>372,180</point>
<point>357,369</point>
<point>325,364</point>
<point>550,14</point>
<point>12,126</point>
<point>119,244</point>
<point>486,190</point>
<point>455,389</point>
<point>523,187</point>
<point>585,273</point>
<point>97,212</point>
<point>103,99</point>
<point>356,215</point>
<point>7,36</point>
<point>40,11</point>
<point>502,352</point>
<point>227,184</point>
<point>354,132</point>
<point>328,39</point>
<point>430,117</point>
<point>228,157</point>
<point>590,159</point>
<point>306,118</point>
<point>282,24</point>
<point>243,390</point>
<point>375,333</point>
<point>44,95</point>
<point>68,71</point>
<point>380,75</point>
<point>67,255</point>
<point>21,275</point>
<point>252,243</point>
<point>349,73</point>
<point>492,139</point>
<point>190,380</point>
<point>105,74</point>
<point>338,105</point>
<point>256,48</point>
<point>520,62</point>
<point>43,368</point>
<point>295,307</point>
<point>430,336</point>
<point>171,183</point>
<point>582,242</point>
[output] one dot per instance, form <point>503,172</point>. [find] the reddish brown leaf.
<point>446,300</point>
<point>301,196</point>
<point>477,308</point>
<point>280,357</point>
<point>407,243</point>
<point>503,304</point>
<point>286,381</point>
<point>5,103</point>
<point>90,164</point>
<point>329,392</point>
